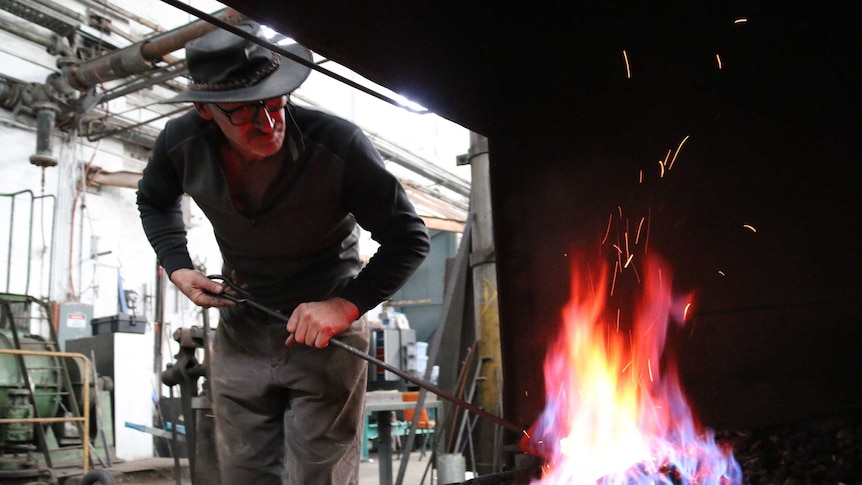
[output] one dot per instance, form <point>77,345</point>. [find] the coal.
<point>820,450</point>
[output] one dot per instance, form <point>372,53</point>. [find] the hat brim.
<point>289,76</point>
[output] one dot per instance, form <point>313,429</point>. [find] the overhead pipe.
<point>64,11</point>
<point>138,58</point>
<point>10,93</point>
<point>27,32</point>
<point>45,14</point>
<point>420,166</point>
<point>162,76</point>
<point>117,11</point>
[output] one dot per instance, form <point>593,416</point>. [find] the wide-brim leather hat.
<point>227,68</point>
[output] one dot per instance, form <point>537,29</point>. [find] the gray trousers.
<point>286,415</point>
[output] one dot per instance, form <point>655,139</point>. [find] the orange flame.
<point>615,411</point>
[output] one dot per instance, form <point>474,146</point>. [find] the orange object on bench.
<point>424,426</point>
<point>424,422</point>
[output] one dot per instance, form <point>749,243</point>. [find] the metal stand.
<point>200,438</point>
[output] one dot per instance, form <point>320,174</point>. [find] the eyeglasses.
<point>247,112</point>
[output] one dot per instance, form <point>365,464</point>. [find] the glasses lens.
<point>245,114</point>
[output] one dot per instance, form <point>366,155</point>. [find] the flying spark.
<point>664,164</point>
<point>638,236</point>
<point>678,148</point>
<point>685,312</point>
<point>608,230</point>
<point>626,367</point>
<point>627,237</point>
<point>740,20</point>
<point>628,68</point>
<point>749,227</point>
<point>718,59</point>
<point>619,258</point>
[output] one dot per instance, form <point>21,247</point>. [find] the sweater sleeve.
<point>378,202</point>
<point>158,198</point>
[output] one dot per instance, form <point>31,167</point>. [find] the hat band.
<point>250,80</point>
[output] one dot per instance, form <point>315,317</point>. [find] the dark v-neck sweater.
<point>302,243</point>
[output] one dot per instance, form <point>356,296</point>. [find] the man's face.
<point>255,129</point>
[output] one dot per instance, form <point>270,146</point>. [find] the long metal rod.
<point>477,376</point>
<point>400,373</point>
<point>430,387</point>
<point>117,131</point>
<point>9,249</point>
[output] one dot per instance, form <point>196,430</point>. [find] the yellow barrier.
<point>85,419</point>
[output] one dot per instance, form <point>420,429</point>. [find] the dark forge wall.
<point>759,215</point>
<point>579,98</point>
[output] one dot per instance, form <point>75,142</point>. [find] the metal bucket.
<point>451,468</point>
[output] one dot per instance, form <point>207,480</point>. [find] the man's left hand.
<point>315,323</point>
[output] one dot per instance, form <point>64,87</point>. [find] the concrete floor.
<point>160,471</point>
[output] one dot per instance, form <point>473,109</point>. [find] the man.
<point>284,188</point>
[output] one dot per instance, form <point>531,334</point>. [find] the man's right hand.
<point>195,286</point>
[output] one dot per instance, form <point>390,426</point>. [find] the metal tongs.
<point>242,298</point>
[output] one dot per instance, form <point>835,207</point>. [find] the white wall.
<point>17,175</point>
<point>133,393</point>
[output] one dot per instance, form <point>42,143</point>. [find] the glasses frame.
<point>229,113</point>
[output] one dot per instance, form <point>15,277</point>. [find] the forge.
<point>585,106</point>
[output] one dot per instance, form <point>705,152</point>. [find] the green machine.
<point>44,373</point>
<point>36,384</point>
